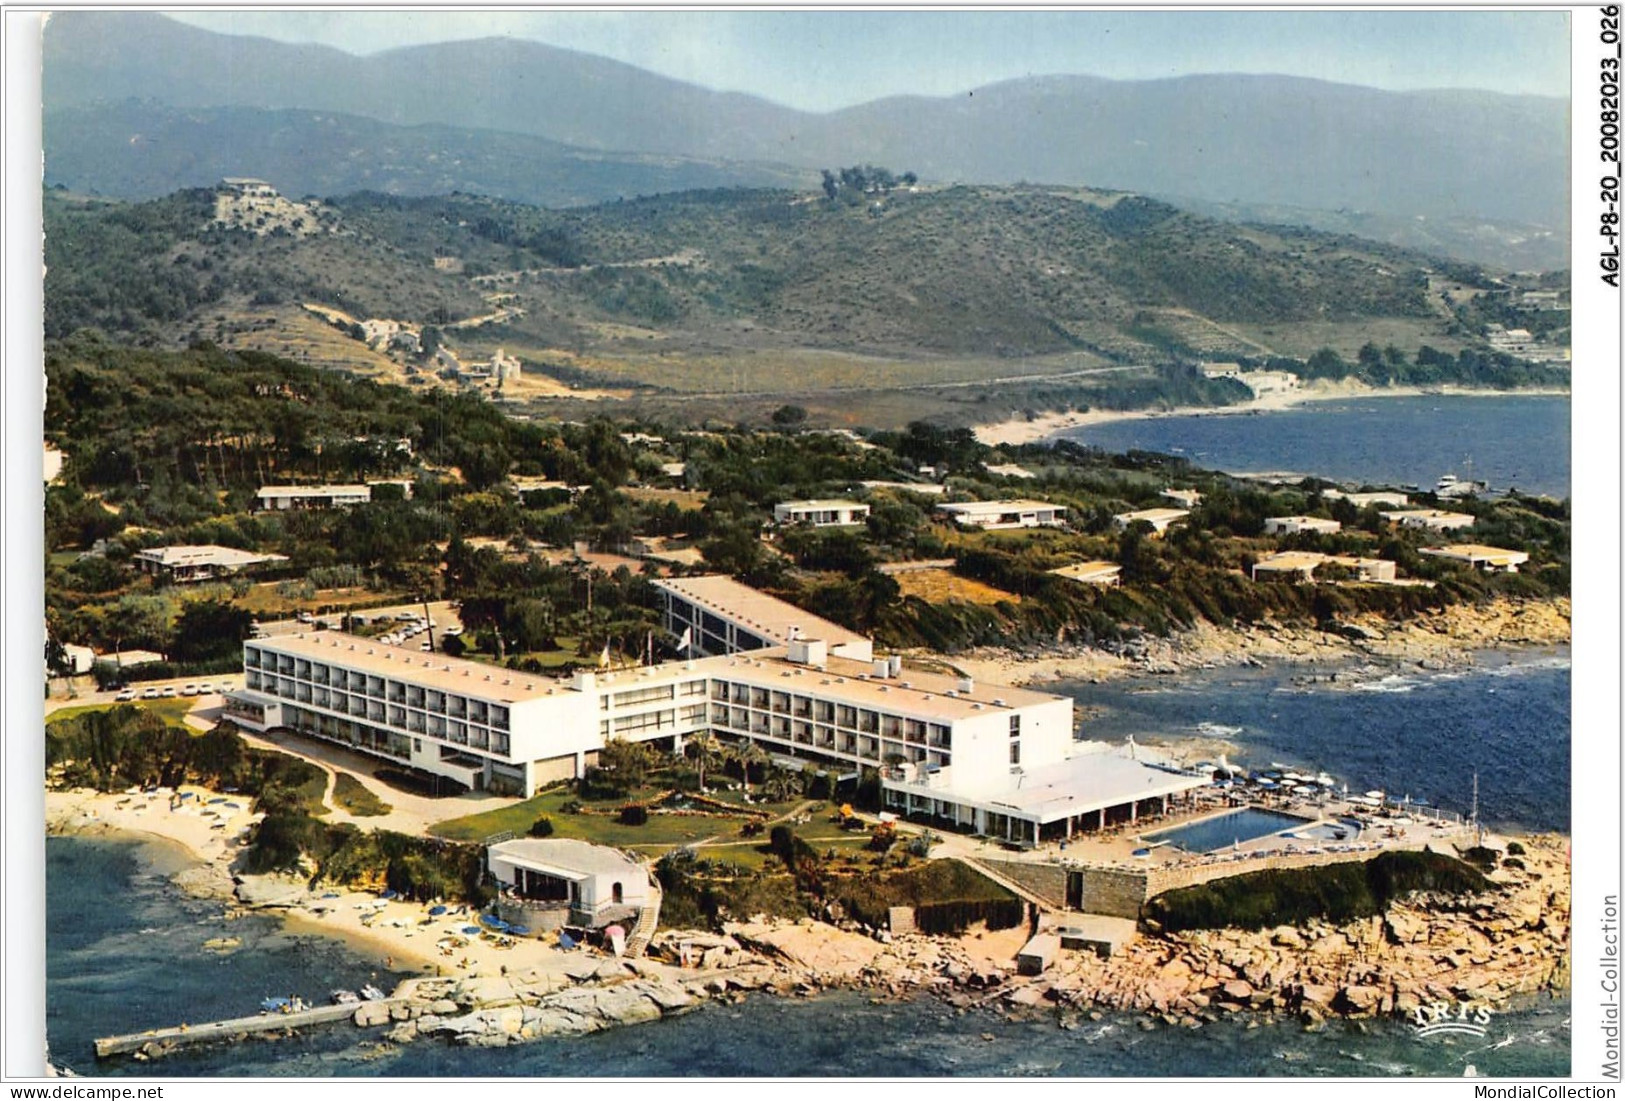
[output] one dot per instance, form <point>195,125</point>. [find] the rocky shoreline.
<point>1499,950</point>
<point>1452,638</point>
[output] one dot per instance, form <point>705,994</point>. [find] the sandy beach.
<point>401,935</point>
<point>1019,430</point>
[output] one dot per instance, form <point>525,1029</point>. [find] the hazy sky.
<point>823,60</point>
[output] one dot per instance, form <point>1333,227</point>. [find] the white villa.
<point>286,498</point>
<point>997,515</point>
<point>1431,518</point>
<point>589,884</point>
<point>199,563</point>
<point>1363,500</point>
<point>997,760</point>
<point>1292,525</point>
<point>1160,519</point>
<point>821,513</point>
<point>1091,573</point>
<point>1479,557</point>
<point>1184,498</point>
<point>1301,566</point>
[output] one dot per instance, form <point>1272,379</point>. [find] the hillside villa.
<point>1292,525</point>
<point>199,563</point>
<point>999,515</point>
<point>821,513</point>
<point>1301,566</point>
<point>1364,500</point>
<point>1430,518</point>
<point>1184,498</point>
<point>1479,557</point>
<point>1094,572</point>
<point>288,498</point>
<point>1160,519</point>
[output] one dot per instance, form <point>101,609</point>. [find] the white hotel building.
<point>945,746</point>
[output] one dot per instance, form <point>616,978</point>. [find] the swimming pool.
<point>1213,834</point>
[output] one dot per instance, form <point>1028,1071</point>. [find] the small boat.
<point>471,930</point>
<point>372,993</point>
<point>490,921</point>
<point>277,1005</point>
<point>436,911</point>
<point>390,895</point>
<point>346,997</point>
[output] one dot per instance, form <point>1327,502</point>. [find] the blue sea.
<point>1400,729</point>
<point>1517,442</point>
<point>141,963</point>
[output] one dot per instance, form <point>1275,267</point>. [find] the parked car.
<point>189,690</point>
<point>150,694</point>
<point>453,630</point>
<point>206,688</point>
<point>125,696</point>
<point>168,692</point>
<point>425,646</point>
<point>228,686</point>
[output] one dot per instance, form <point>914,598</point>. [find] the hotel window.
<point>397,716</point>
<point>758,698</point>
<point>436,701</point>
<point>719,691</point>
<point>251,657</point>
<point>1015,753</point>
<point>1015,726</point>
<point>781,701</point>
<point>459,733</point>
<point>846,716</point>
<point>375,687</point>
<point>341,679</point>
<point>499,743</point>
<point>499,717</point>
<point>414,696</point>
<point>301,669</point>
<point>868,722</point>
<point>252,680</point>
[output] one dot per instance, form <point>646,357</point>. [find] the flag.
<point>686,643</point>
<point>603,658</point>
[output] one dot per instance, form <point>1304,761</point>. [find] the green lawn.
<point>353,796</point>
<point>661,831</point>
<point>173,711</point>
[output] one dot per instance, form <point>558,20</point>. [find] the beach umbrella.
<point>616,936</point>
<point>436,911</point>
<point>471,930</point>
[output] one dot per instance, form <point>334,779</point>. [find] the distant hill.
<point>1222,139</point>
<point>999,273</point>
<point>140,149</point>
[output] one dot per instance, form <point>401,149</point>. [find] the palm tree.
<point>747,754</point>
<point>782,785</point>
<point>702,749</point>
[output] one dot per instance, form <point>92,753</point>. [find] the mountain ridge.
<point>1220,138</point>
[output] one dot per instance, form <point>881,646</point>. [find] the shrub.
<point>633,814</point>
<point>1337,892</point>
<point>542,827</point>
<point>1514,849</point>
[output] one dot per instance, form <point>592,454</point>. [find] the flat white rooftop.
<point>1078,785</point>
<point>206,555</point>
<point>752,608</point>
<point>980,508</point>
<point>820,504</point>
<point>566,857</point>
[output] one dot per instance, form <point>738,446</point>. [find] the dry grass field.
<point>942,586</point>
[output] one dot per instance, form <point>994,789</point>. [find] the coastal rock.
<point>821,949</point>
<point>276,889</point>
<point>371,1014</point>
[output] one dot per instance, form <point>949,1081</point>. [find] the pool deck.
<point>1117,845</point>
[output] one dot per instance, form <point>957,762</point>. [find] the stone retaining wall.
<point>1043,881</point>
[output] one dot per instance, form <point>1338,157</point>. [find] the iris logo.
<point>1447,1018</point>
